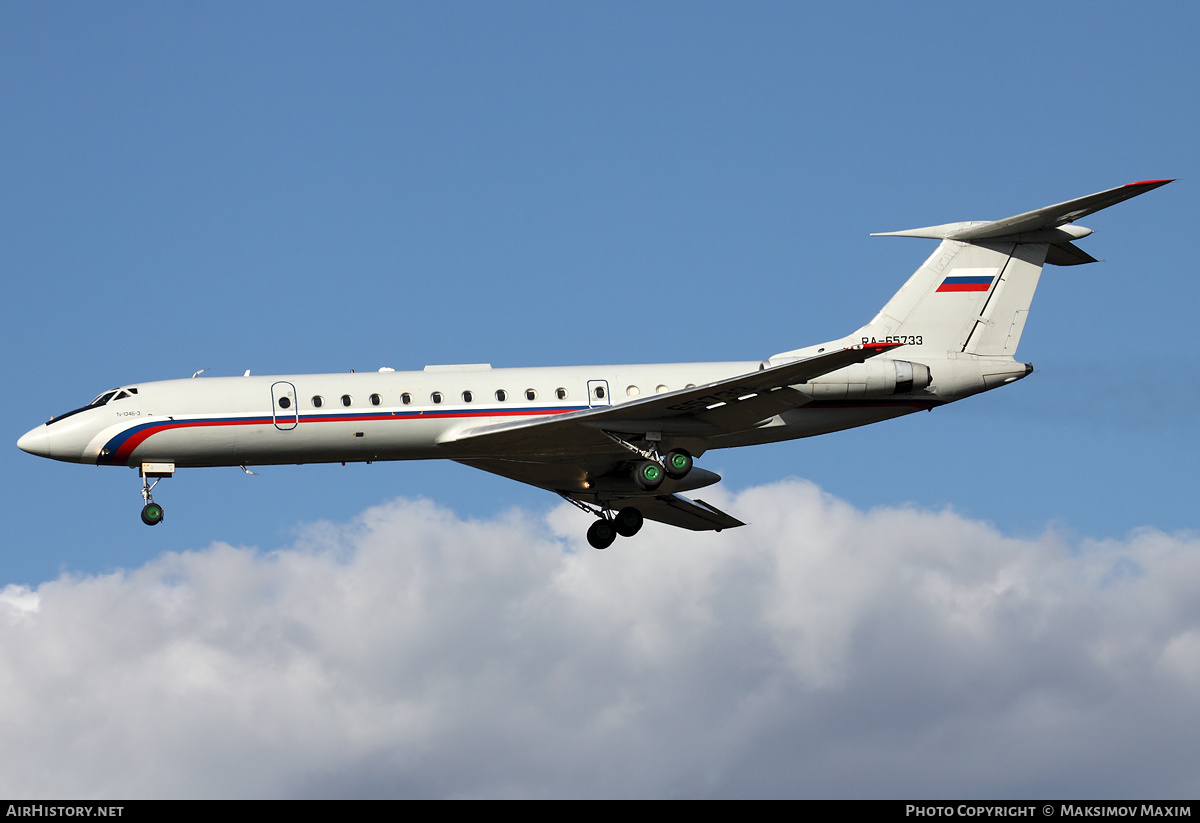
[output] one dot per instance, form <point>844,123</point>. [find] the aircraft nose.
<point>35,441</point>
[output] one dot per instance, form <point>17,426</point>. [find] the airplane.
<point>618,442</point>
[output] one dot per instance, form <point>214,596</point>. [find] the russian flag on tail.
<point>969,283</point>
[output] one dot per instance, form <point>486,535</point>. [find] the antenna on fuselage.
<point>197,374</point>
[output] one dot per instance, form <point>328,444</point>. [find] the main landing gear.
<point>152,513</point>
<point>626,523</point>
<point>647,474</point>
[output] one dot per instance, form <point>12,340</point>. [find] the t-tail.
<point>972,295</point>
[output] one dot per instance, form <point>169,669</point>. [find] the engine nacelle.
<point>874,378</point>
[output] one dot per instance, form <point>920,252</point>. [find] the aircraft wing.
<point>715,408</point>
<point>672,509</point>
<point>572,454</point>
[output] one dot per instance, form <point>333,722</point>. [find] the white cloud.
<point>823,651</point>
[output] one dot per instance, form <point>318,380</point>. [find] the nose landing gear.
<point>152,513</point>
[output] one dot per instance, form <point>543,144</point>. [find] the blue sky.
<point>310,187</point>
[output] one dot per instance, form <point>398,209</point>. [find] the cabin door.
<point>285,411</point>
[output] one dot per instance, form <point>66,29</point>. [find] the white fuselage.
<point>409,415</point>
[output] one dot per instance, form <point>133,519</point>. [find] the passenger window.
<point>560,393</point>
<point>633,391</point>
<point>530,394</point>
<point>284,403</point>
<point>599,392</point>
<point>318,401</point>
<point>436,397</point>
<point>501,395</point>
<point>468,397</point>
<point>406,398</point>
<point>346,400</point>
<point>661,389</point>
<point>376,400</point>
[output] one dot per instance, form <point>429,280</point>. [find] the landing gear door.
<point>284,409</point>
<point>598,393</point>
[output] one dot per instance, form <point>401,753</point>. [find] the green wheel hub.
<point>152,514</point>
<point>678,463</point>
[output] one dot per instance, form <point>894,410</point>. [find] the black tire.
<point>152,514</point>
<point>601,534</point>
<point>648,475</point>
<point>678,463</point>
<point>628,521</point>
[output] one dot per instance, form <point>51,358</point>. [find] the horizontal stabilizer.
<point>1045,225</point>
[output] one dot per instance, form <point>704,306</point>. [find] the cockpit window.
<point>104,398</point>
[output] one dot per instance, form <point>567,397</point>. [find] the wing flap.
<point>684,513</point>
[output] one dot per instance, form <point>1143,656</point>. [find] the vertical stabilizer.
<point>973,294</point>
<point>967,297</point>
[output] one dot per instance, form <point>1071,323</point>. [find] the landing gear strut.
<point>152,513</point>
